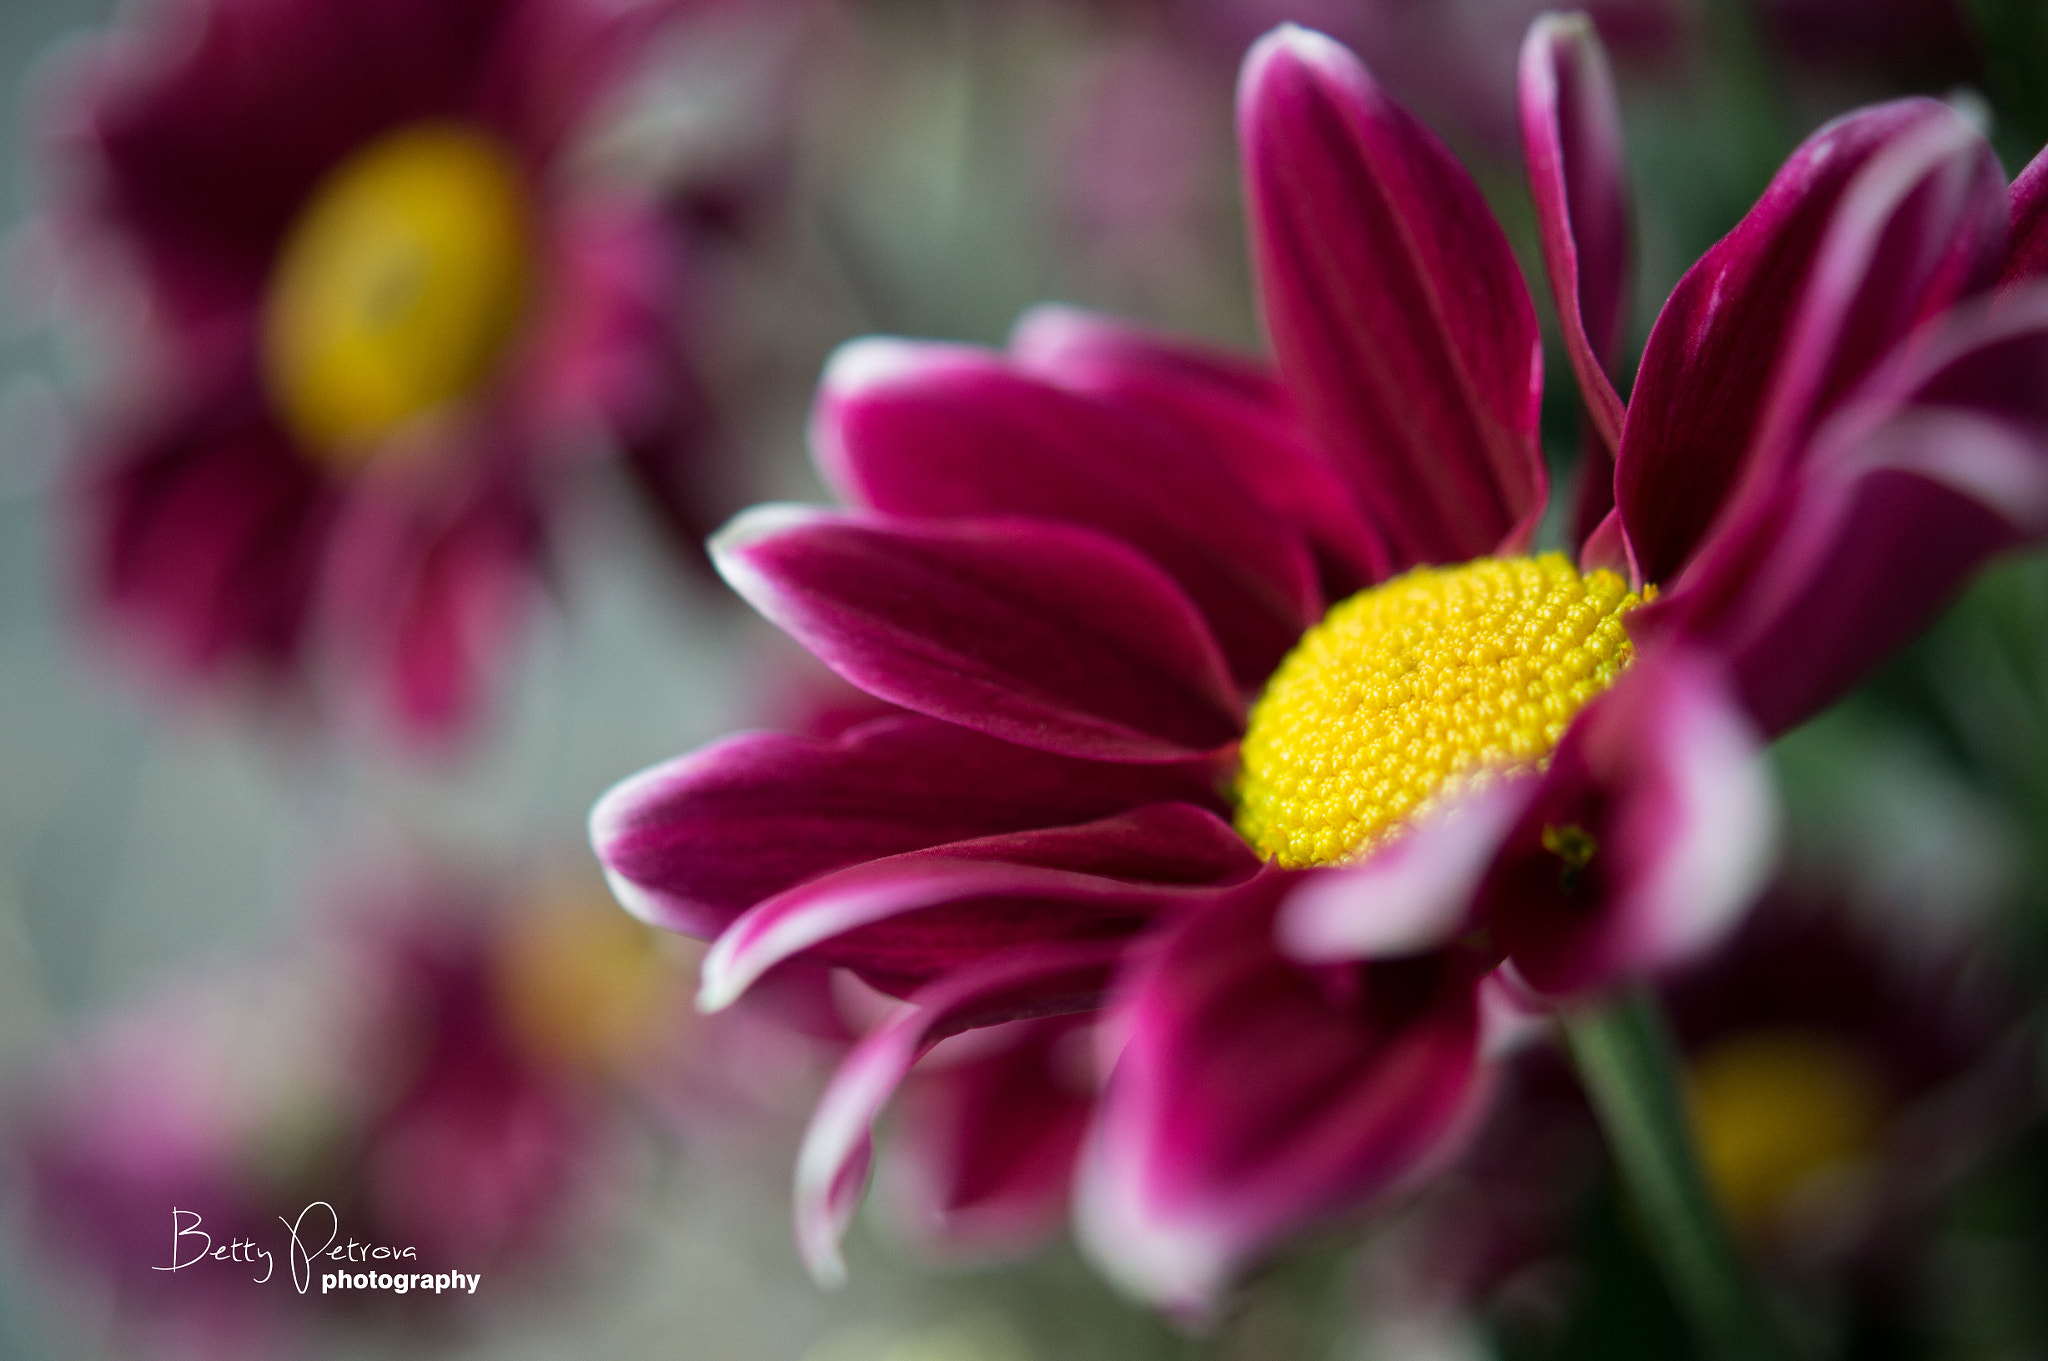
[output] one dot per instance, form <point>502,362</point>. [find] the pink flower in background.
<point>394,315</point>
<point>444,1073</point>
<point>1098,569</point>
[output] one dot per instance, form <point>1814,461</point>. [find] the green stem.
<point>1626,1061</point>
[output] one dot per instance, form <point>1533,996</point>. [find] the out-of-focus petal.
<point>204,534</point>
<point>1881,219</point>
<point>1398,313</point>
<point>1653,830</point>
<point>832,1166</point>
<point>972,898</point>
<point>426,588</point>
<point>1255,1097</point>
<point>2026,252</point>
<point>1407,897</point>
<point>1571,143</point>
<point>1043,634</point>
<point>693,842</point>
<point>980,1159</point>
<point>1940,463</point>
<point>947,431</point>
<point>1235,407</point>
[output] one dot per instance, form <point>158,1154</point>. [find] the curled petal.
<point>1412,895</point>
<point>1652,831</point>
<point>1232,406</point>
<point>1255,1097</point>
<point>1941,463</point>
<point>972,898</point>
<point>1571,142</point>
<point>946,431</point>
<point>1399,316</point>
<point>1882,218</point>
<point>838,1147</point>
<point>1039,633</point>
<point>692,843</point>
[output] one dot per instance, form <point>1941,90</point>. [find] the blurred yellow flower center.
<point>1772,1110</point>
<point>585,985</point>
<point>1422,687</point>
<point>398,288</point>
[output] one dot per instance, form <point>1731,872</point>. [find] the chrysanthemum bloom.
<point>394,316</point>
<point>1098,570</point>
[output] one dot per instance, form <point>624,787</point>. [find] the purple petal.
<point>1396,308</point>
<point>1042,634</point>
<point>429,580</point>
<point>948,431</point>
<point>838,1146</point>
<point>980,1160</point>
<point>1235,408</point>
<point>1653,830</point>
<point>1256,1098</point>
<point>1880,219</point>
<point>691,844</point>
<point>1940,463</point>
<point>2026,251</point>
<point>973,898</point>
<point>206,533</point>
<point>1571,142</point>
<point>1410,896</point>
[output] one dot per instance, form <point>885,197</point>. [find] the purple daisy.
<point>393,314</point>
<point>1235,698</point>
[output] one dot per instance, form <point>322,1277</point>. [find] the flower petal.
<point>1256,1097</point>
<point>838,1146</point>
<point>1399,316</point>
<point>694,842</point>
<point>1234,407</point>
<point>205,533</point>
<point>1042,634</point>
<point>1571,143</point>
<point>1409,896</point>
<point>980,1160</point>
<point>429,586</point>
<point>1940,463</point>
<point>948,431</point>
<point>1881,218</point>
<point>1654,828</point>
<point>2026,252</point>
<point>972,898</point>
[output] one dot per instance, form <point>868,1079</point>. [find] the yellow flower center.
<point>398,288</point>
<point>1773,1111</point>
<point>1422,687</point>
<point>585,985</point>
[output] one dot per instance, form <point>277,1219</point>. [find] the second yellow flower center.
<point>398,288</point>
<point>1420,688</point>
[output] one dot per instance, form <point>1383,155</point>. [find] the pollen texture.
<point>1423,686</point>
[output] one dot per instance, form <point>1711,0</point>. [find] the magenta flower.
<point>395,320</point>
<point>1098,569</point>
